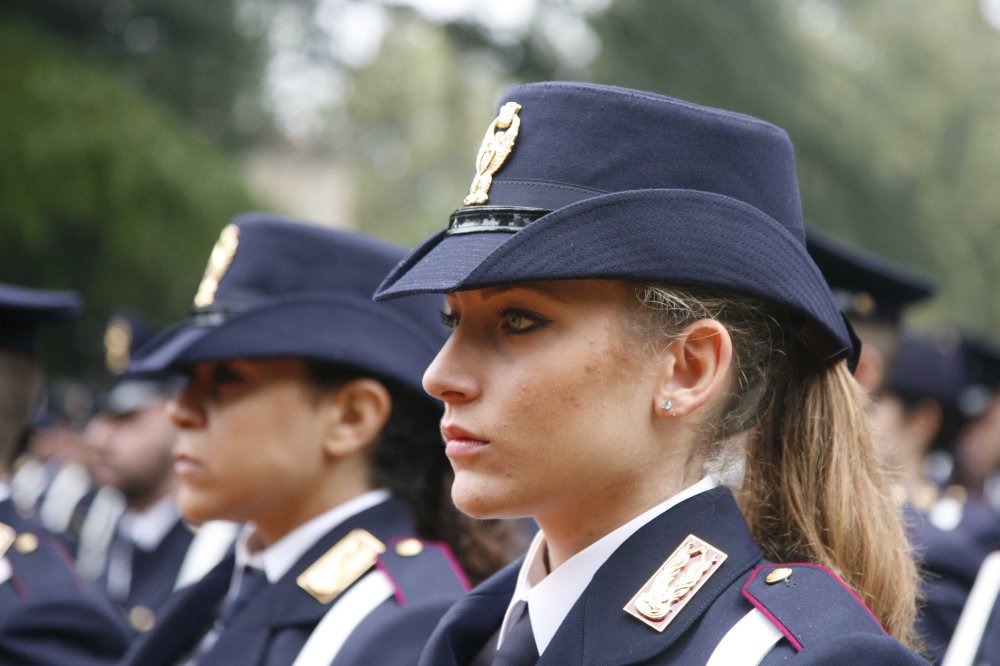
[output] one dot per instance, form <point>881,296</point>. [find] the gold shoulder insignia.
<point>675,583</point>
<point>117,341</point>
<point>340,566</point>
<point>497,144</point>
<point>7,537</point>
<point>218,263</point>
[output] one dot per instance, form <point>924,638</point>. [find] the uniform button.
<point>409,547</point>
<point>141,618</point>
<point>778,575</point>
<point>26,543</point>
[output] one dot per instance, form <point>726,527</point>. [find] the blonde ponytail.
<point>794,428</point>
<point>814,490</point>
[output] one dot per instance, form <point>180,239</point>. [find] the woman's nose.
<point>450,376</point>
<point>185,410</point>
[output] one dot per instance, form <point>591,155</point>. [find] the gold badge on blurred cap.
<point>219,261</point>
<point>117,342</point>
<point>675,583</point>
<point>340,566</point>
<point>497,144</point>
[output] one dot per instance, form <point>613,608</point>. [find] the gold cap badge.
<point>117,342</point>
<point>340,566</point>
<point>497,144</point>
<point>675,583</point>
<point>219,261</point>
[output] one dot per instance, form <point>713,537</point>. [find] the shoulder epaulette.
<point>807,603</point>
<point>422,569</point>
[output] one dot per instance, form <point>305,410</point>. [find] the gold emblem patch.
<point>340,566</point>
<point>497,144</point>
<point>219,261</point>
<point>117,341</point>
<point>675,583</point>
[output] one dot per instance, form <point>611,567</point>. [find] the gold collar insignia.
<point>340,566</point>
<point>497,144</point>
<point>219,261</point>
<point>675,583</point>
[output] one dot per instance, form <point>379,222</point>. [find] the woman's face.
<point>250,444</point>
<point>548,405</point>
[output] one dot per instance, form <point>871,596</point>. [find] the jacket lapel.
<point>185,619</point>
<point>471,622</point>
<point>598,630</point>
<point>285,604</point>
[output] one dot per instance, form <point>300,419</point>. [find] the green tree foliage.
<point>101,188</point>
<point>416,117</point>
<point>894,108</point>
<point>196,57</point>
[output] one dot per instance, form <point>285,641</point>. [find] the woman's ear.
<point>694,368</point>
<point>355,414</point>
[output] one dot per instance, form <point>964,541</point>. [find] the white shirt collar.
<point>147,529</point>
<point>4,489</point>
<point>280,556</point>
<point>550,597</point>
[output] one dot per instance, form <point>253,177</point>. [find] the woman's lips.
<point>460,442</point>
<point>184,464</point>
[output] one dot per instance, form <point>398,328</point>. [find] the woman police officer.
<point>303,416</point>
<point>636,325</point>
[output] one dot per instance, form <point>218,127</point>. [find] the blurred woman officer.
<point>303,415</point>
<point>636,326</point>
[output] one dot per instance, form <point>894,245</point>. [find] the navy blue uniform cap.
<point>608,183</point>
<point>126,332</point>
<point>279,288</point>
<point>930,367</point>
<point>23,311</point>
<point>981,373</point>
<point>867,286</point>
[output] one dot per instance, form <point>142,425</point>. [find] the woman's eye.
<point>223,374</point>
<point>450,320</point>
<point>519,321</point>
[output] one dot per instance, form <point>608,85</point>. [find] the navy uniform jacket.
<point>272,629</point>
<point>154,574</point>
<point>949,561</point>
<point>47,614</point>
<point>811,607</point>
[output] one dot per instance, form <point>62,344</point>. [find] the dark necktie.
<point>118,578</point>
<point>251,582</point>
<point>518,647</point>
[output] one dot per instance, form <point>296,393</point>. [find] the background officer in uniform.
<point>874,293</point>
<point>303,415</point>
<point>133,539</point>
<point>918,411</point>
<point>47,615</point>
